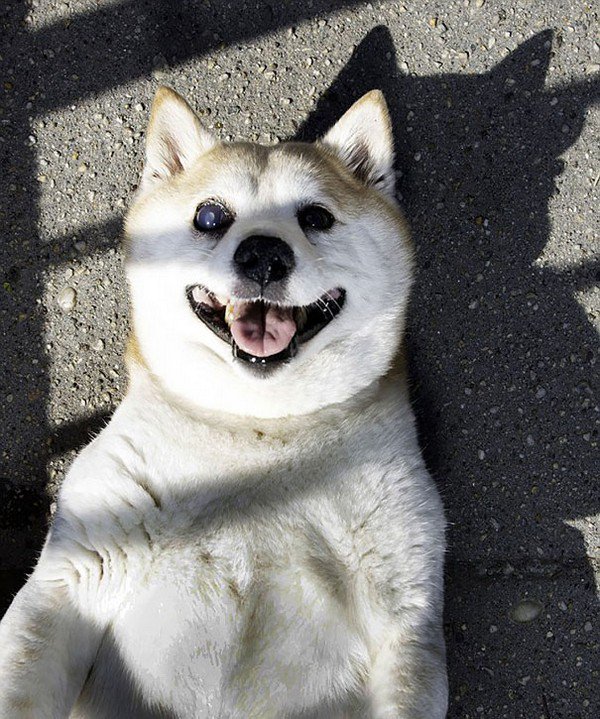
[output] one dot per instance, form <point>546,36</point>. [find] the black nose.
<point>264,259</point>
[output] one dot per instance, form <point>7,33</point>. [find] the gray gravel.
<point>499,172</point>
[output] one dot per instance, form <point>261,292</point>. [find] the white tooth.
<point>198,294</point>
<point>230,313</point>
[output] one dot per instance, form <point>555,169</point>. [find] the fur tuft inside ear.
<point>363,139</point>
<point>175,139</point>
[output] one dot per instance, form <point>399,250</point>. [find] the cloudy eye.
<point>315,217</point>
<point>212,216</point>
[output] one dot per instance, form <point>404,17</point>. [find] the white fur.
<point>239,547</point>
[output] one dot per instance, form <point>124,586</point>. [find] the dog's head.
<point>267,281</point>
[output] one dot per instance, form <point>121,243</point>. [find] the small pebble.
<point>159,74</point>
<point>526,611</point>
<point>159,61</point>
<point>66,299</point>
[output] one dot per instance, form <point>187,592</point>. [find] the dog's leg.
<point>408,678</point>
<point>46,649</point>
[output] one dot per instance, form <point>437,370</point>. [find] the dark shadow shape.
<point>77,434</point>
<point>113,45</point>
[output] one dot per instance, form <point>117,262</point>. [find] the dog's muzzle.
<point>263,333</point>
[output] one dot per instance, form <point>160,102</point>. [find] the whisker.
<point>324,306</point>
<point>337,304</point>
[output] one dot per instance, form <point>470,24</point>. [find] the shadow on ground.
<point>502,356</point>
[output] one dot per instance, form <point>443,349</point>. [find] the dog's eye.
<point>315,217</point>
<point>212,216</point>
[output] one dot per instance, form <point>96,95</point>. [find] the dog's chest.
<point>217,628</point>
<point>256,595</point>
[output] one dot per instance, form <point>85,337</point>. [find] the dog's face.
<point>267,281</point>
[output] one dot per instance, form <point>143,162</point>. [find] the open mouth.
<point>263,333</point>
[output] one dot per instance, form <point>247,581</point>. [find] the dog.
<point>254,534</point>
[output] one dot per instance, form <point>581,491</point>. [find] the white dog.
<point>254,535</point>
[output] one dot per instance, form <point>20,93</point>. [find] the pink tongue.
<point>262,331</point>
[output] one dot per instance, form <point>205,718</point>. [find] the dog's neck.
<point>146,387</point>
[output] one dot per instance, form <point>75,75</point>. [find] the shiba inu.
<point>254,534</point>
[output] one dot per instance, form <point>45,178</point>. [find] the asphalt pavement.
<point>495,111</point>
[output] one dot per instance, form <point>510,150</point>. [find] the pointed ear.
<point>175,139</point>
<point>363,139</point>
